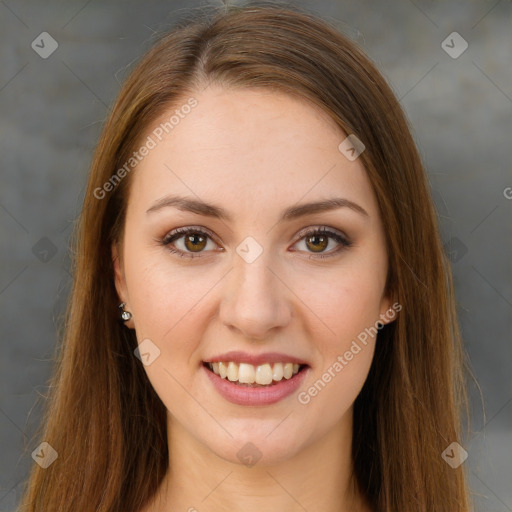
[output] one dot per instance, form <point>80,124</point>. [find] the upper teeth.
<point>249,374</point>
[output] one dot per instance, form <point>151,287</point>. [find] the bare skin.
<point>254,153</point>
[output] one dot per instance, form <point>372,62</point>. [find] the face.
<point>263,292</point>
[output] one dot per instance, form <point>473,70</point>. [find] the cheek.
<point>163,296</point>
<point>344,359</point>
<point>342,305</point>
<point>172,307</point>
<point>168,308</point>
<point>349,306</point>
<point>330,394</point>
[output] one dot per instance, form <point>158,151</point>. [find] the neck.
<point>316,478</point>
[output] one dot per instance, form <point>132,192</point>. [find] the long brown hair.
<point>104,418</point>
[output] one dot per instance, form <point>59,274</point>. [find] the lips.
<point>261,375</point>
<point>256,359</point>
<point>249,379</point>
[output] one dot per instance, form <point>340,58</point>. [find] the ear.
<point>120,283</point>
<point>389,308</point>
<point>118,274</point>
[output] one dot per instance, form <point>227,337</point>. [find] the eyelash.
<point>180,232</point>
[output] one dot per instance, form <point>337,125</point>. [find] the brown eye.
<point>317,243</point>
<point>317,240</point>
<point>195,242</point>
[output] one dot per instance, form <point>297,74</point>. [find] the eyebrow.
<point>188,204</point>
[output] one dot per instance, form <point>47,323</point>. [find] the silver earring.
<point>125,315</point>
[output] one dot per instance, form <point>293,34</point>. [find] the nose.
<point>256,302</point>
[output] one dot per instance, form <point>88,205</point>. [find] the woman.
<point>262,316</point>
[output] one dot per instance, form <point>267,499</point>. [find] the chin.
<point>263,446</point>
<point>257,453</point>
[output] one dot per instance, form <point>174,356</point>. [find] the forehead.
<point>241,144</point>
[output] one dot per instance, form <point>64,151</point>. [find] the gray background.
<point>51,113</point>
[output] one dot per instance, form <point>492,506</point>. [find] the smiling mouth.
<point>247,375</point>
